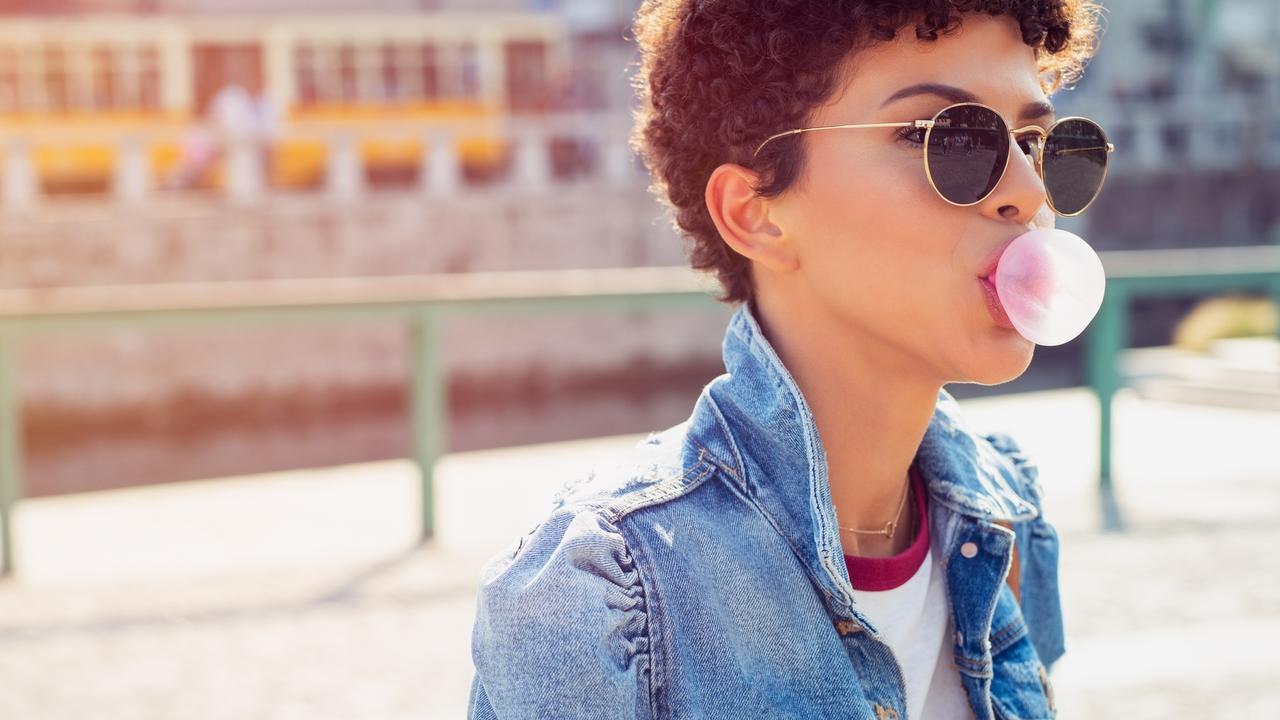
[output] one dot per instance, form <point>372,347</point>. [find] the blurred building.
<point>408,138</point>
<point>1190,91</point>
<point>154,141</point>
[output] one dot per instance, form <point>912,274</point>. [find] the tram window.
<point>114,77</point>
<point>387,72</point>
<point>30,81</point>
<point>392,90</point>
<point>126,86</point>
<point>347,90</point>
<point>8,81</point>
<point>526,66</point>
<point>103,78</point>
<point>369,75</point>
<point>429,72</point>
<point>470,62</point>
<point>148,79</point>
<point>308,75</point>
<point>55,78</point>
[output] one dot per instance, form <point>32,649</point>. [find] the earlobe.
<point>743,218</point>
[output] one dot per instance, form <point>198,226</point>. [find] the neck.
<point>871,411</point>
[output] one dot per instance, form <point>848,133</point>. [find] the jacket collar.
<point>756,423</point>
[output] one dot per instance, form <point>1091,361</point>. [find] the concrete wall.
<point>384,234</point>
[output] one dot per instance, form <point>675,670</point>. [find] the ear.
<point>742,217</point>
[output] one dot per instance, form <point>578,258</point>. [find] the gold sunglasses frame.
<point>928,125</point>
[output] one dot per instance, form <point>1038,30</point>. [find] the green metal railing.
<point>425,303</point>
<point>1148,273</point>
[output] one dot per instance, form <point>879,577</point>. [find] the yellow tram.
<point>156,76</point>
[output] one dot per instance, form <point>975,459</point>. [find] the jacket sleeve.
<point>561,626</point>
<point>1038,558</point>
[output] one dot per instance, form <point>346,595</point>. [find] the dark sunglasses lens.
<point>967,150</point>
<point>1075,164</point>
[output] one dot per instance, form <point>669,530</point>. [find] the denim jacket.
<point>702,576</point>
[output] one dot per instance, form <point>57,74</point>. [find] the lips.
<point>994,306</point>
<point>987,279</point>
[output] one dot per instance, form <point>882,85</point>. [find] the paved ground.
<point>303,595</point>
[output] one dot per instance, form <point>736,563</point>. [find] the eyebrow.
<point>1031,110</point>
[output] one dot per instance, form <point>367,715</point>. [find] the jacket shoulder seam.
<point>615,509</point>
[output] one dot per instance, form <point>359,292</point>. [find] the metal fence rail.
<point>423,302</point>
<point>1146,273</point>
<point>426,302</point>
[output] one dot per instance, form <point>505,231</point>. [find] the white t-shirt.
<point>905,598</point>
<point>915,620</point>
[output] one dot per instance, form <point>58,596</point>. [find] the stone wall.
<point>86,380</point>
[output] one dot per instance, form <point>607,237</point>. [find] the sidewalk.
<point>303,594</point>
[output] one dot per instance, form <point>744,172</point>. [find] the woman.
<point>824,536</point>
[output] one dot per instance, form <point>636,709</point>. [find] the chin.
<point>997,369</point>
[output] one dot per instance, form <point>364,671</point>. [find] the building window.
<point>526,66</point>
<point>54,77</point>
<point>8,80</point>
<point>306,68</point>
<point>386,73</point>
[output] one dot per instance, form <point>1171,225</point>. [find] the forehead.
<point>985,56</point>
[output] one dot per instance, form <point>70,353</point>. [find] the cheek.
<point>851,205</point>
<point>875,236</point>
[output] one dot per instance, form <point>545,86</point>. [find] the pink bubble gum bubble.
<point>1051,284</point>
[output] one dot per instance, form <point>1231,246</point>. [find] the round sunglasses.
<point>966,154</point>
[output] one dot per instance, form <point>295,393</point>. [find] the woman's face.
<point>879,253</point>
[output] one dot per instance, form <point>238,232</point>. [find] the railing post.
<point>20,183</point>
<point>1275,279</point>
<point>1275,300</point>
<point>244,169</point>
<point>1108,336</point>
<point>131,172</point>
<point>429,407</point>
<point>533,162</point>
<point>345,172</point>
<point>10,449</point>
<point>441,167</point>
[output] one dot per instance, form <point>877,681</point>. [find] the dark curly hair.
<point>717,77</point>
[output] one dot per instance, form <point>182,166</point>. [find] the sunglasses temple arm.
<point>1069,151</point>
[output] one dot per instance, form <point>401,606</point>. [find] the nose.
<point>1020,195</point>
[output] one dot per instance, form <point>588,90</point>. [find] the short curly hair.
<point>717,77</point>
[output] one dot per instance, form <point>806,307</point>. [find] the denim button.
<point>969,550</point>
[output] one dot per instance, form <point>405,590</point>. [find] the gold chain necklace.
<point>890,527</point>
